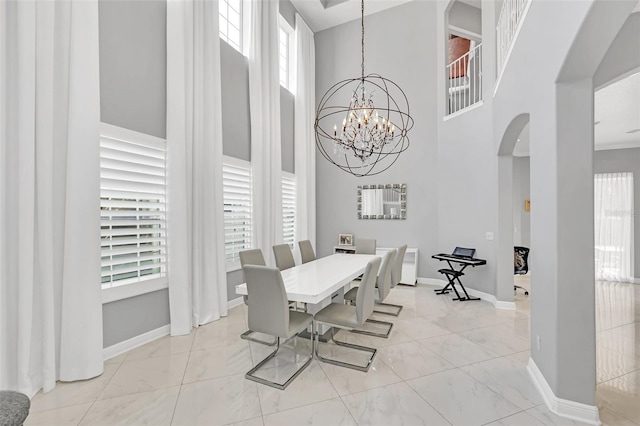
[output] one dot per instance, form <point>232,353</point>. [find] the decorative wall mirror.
<point>382,201</point>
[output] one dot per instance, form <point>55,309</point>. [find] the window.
<point>230,12</point>
<point>613,226</point>
<point>132,205</point>
<point>286,55</point>
<point>236,177</point>
<point>289,208</point>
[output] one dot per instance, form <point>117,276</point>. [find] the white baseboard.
<point>498,304</point>
<point>562,407</point>
<point>431,281</point>
<point>635,280</point>
<point>125,346</point>
<point>235,302</point>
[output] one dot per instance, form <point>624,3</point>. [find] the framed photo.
<point>345,239</point>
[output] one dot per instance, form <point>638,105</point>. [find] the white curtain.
<point>305,152</point>
<point>264,102</point>
<point>50,305</point>
<point>197,269</point>
<point>613,200</point>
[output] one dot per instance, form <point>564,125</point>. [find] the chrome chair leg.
<point>371,333</point>
<point>365,368</point>
<point>395,314</point>
<point>247,336</point>
<point>282,386</point>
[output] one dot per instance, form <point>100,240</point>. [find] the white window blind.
<point>236,177</point>
<point>230,13</point>
<point>132,204</point>
<point>289,208</point>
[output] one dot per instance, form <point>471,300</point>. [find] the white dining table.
<point>321,282</point>
<point>317,281</point>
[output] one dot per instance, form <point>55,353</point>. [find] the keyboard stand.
<point>454,275</point>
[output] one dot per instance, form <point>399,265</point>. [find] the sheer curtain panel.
<point>197,269</point>
<point>50,305</point>
<point>264,102</point>
<point>305,152</point>
<point>613,217</point>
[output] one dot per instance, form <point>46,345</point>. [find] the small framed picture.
<point>345,239</point>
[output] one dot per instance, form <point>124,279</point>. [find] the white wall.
<point>400,45</point>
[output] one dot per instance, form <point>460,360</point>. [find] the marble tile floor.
<point>445,363</point>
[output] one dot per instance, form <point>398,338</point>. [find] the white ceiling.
<point>616,112</point>
<point>323,14</point>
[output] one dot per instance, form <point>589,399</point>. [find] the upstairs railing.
<point>465,80</point>
<point>510,17</point>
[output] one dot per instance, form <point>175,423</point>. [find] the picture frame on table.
<point>345,239</point>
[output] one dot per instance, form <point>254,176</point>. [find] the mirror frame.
<point>403,201</point>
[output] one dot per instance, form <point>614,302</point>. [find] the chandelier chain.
<point>362,25</point>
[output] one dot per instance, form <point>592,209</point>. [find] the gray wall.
<point>133,57</point>
<point>405,27</point>
<point>521,218</point>
<point>133,95</point>
<point>466,17</point>
<point>287,103</point>
<point>134,316</point>
<point>236,124</point>
<point>624,160</point>
<point>288,12</point>
<point>468,166</point>
<point>558,98</point>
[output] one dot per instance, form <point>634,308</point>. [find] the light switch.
<point>489,236</point>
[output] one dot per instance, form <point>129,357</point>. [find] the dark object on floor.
<point>520,264</point>
<point>14,408</point>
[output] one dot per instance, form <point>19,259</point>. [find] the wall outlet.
<point>538,341</point>
<point>489,236</point>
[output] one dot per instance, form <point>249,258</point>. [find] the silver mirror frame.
<point>402,187</point>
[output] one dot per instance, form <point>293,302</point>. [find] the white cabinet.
<point>409,263</point>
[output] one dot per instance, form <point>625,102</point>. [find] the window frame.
<point>223,16</point>
<point>285,27</point>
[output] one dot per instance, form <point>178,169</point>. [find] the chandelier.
<point>370,137</point>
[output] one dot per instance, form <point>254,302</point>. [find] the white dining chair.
<point>396,276</point>
<point>306,251</point>
<point>284,256</point>
<point>339,315</point>
<point>383,287</point>
<point>269,313</point>
<point>365,246</point>
<point>253,257</point>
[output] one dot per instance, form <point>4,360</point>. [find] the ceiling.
<point>323,14</point>
<point>616,114</point>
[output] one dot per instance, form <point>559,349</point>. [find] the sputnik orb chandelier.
<point>362,138</point>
